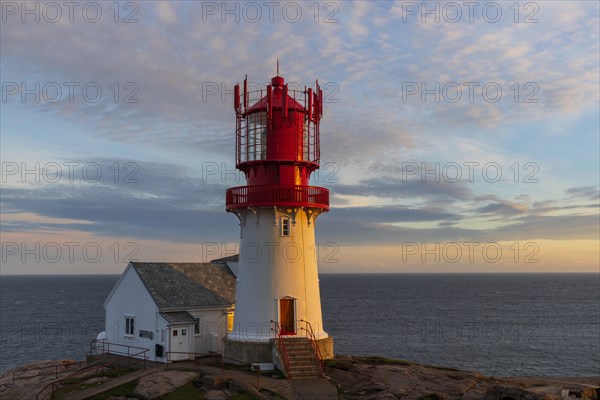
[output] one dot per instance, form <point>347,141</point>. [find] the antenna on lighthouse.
<point>277,66</point>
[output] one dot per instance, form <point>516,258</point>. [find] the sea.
<point>497,324</point>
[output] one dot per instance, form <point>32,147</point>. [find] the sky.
<point>456,136</point>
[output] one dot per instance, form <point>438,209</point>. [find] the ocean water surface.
<point>499,324</point>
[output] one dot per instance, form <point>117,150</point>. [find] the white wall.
<point>210,321</point>
<point>130,298</point>
<point>272,267</point>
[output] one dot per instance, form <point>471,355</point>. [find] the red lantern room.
<point>277,146</point>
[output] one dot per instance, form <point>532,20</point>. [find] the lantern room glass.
<point>256,148</point>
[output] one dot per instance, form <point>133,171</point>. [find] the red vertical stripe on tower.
<point>236,97</point>
<point>269,103</point>
<point>245,94</point>
<point>310,104</point>
<point>284,101</point>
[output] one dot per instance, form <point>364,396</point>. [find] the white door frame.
<point>175,346</point>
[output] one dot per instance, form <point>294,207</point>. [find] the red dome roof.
<point>277,82</point>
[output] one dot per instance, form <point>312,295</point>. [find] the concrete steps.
<point>303,362</point>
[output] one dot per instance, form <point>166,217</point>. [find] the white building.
<point>172,309</point>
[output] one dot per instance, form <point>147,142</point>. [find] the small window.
<point>197,326</point>
<point>174,332</point>
<point>229,321</point>
<point>183,332</point>
<point>129,325</point>
<point>285,226</point>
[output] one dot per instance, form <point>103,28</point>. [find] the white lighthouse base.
<point>248,352</point>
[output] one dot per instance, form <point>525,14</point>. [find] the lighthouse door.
<point>287,316</point>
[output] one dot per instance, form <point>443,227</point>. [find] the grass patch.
<point>115,372</point>
<point>378,360</point>
<point>271,394</point>
<point>123,390</point>
<point>237,367</point>
<point>344,365</point>
<point>74,384</point>
<point>243,396</point>
<point>185,392</point>
<point>74,381</point>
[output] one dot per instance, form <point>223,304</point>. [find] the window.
<point>129,325</point>
<point>285,226</point>
<point>256,146</point>
<point>197,326</point>
<point>229,321</point>
<point>183,332</point>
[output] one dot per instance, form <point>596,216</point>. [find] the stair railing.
<point>313,341</point>
<point>281,347</point>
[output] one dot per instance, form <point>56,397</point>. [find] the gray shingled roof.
<point>178,317</point>
<point>233,258</point>
<point>187,285</point>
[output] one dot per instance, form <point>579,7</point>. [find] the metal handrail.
<point>106,350</point>
<point>42,396</point>
<point>282,349</point>
<point>315,345</point>
<point>45,395</point>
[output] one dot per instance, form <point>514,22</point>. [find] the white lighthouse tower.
<point>277,292</point>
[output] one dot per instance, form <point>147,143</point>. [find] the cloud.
<point>394,214</point>
<point>504,208</point>
<point>584,192</point>
<point>165,202</point>
<point>166,13</point>
<point>399,188</point>
<point>172,68</point>
<point>181,68</point>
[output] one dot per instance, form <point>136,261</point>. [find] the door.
<point>287,316</point>
<point>180,343</point>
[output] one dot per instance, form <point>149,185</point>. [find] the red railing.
<point>275,195</point>
<point>281,347</point>
<point>315,345</point>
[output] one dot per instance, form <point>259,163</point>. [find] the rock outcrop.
<point>373,378</point>
<point>18,382</point>
<point>368,378</point>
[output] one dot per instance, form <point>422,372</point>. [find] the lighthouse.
<point>277,291</point>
